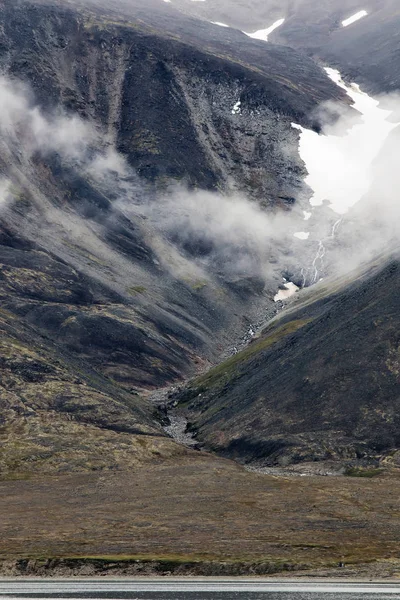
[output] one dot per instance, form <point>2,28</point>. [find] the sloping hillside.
<point>364,52</point>
<point>166,106</point>
<point>321,382</point>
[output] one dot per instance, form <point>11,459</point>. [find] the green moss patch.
<point>227,369</point>
<point>360,472</point>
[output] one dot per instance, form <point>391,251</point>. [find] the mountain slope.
<point>106,112</point>
<point>160,90</point>
<point>164,85</point>
<point>364,52</point>
<point>321,383</point>
<point>320,33</point>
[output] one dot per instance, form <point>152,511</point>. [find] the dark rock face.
<point>322,383</point>
<point>166,100</point>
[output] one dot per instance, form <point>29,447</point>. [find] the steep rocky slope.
<point>163,86</point>
<point>320,383</point>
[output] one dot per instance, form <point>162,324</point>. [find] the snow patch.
<point>359,15</point>
<point>307,215</point>
<point>302,235</point>
<point>339,162</point>
<point>236,109</point>
<point>288,292</point>
<point>262,34</point>
<point>214,22</point>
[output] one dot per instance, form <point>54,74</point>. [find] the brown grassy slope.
<point>57,415</point>
<point>201,507</point>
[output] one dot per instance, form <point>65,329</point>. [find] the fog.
<point>28,130</point>
<point>23,123</point>
<point>352,216</point>
<point>354,180</point>
<point>231,235</point>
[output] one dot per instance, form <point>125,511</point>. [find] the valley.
<point>199,283</point>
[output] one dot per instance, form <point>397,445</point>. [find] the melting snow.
<point>336,226</point>
<point>236,108</point>
<point>215,22</point>
<point>302,235</point>
<point>288,292</point>
<point>339,165</point>
<point>262,34</point>
<point>318,261</point>
<point>354,18</point>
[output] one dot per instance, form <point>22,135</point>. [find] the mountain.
<point>320,33</point>
<point>321,383</point>
<point>150,187</point>
<point>111,117</point>
<point>317,30</point>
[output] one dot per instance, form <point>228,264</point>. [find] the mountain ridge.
<point>301,392</point>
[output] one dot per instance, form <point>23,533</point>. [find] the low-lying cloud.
<point>23,123</point>
<point>232,236</point>
<point>353,173</point>
<point>25,127</point>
